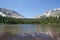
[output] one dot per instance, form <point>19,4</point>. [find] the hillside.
<point>9,13</point>
<point>50,13</point>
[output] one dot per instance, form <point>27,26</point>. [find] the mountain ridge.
<point>50,13</point>
<point>9,13</point>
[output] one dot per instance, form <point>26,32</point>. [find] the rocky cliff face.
<point>52,13</point>
<point>8,13</point>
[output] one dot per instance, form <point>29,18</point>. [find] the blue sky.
<point>30,8</point>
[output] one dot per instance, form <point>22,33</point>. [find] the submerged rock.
<point>40,36</point>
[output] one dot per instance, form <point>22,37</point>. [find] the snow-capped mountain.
<point>52,13</point>
<point>9,13</point>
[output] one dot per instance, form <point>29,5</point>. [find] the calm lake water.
<point>29,28</point>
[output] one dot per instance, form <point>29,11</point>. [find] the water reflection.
<point>29,28</point>
<point>29,32</point>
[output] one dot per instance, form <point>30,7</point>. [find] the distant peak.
<point>52,13</point>
<point>9,13</point>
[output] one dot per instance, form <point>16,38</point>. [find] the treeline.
<point>47,20</point>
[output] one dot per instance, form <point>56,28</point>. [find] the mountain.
<point>52,13</point>
<point>9,13</point>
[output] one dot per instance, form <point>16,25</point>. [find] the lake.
<point>29,28</point>
<point>52,30</point>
